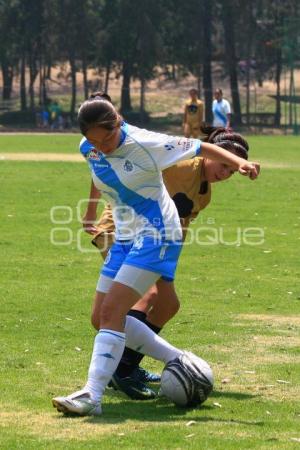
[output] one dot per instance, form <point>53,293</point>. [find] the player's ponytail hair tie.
<point>229,140</point>
<point>100,96</point>
<point>98,111</point>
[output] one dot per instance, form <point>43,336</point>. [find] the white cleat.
<point>79,402</point>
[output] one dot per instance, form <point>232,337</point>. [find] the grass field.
<point>240,311</point>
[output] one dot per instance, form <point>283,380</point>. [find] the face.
<point>215,171</point>
<point>104,140</point>
<point>193,94</point>
<point>218,96</point>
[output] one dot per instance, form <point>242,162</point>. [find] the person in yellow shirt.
<point>189,185</point>
<point>193,115</point>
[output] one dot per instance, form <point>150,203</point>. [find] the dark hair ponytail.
<point>229,140</point>
<point>98,111</point>
<point>100,96</point>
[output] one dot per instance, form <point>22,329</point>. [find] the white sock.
<point>142,339</point>
<point>108,349</point>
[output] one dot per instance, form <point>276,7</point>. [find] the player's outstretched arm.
<point>221,155</point>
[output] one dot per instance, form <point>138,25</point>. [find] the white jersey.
<point>220,111</point>
<point>131,181</point>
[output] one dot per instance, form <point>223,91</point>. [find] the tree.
<point>229,17</point>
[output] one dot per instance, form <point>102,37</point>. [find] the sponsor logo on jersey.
<point>100,164</point>
<point>128,166</point>
<point>186,144</point>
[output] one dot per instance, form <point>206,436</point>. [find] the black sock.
<point>130,358</point>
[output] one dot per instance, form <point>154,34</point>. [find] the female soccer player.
<point>126,168</point>
<point>193,115</point>
<point>189,185</point>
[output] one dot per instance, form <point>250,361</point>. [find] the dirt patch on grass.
<point>56,157</point>
<point>271,319</point>
<point>51,426</point>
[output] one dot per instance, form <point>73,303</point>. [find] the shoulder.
<point>85,147</point>
<point>200,102</point>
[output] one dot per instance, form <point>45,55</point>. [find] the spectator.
<point>221,110</point>
<point>193,115</point>
<point>55,113</point>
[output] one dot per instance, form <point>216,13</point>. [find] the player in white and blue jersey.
<point>221,110</point>
<point>126,164</point>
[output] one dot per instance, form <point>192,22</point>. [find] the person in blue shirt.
<point>126,164</point>
<point>221,110</point>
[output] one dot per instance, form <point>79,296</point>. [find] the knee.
<point>95,320</point>
<point>174,306</point>
<point>107,313</point>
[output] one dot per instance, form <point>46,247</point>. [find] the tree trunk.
<point>74,88</point>
<point>278,79</point>
<point>107,73</point>
<point>32,77</point>
<point>7,75</point>
<point>23,85</point>
<point>142,100</point>
<point>228,24</point>
<point>207,56</point>
<point>85,80</point>
<point>125,93</point>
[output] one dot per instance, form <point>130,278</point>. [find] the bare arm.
<point>184,115</point>
<point>91,212</point>
<point>244,167</point>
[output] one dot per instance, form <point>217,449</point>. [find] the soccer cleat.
<point>132,387</point>
<point>79,402</point>
<point>144,376</point>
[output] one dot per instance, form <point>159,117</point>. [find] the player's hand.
<point>88,221</point>
<point>250,169</point>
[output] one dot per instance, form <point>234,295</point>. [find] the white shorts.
<point>138,279</point>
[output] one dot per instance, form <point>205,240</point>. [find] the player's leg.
<point>187,130</point>
<point>162,304</point>
<point>110,342</point>
<point>134,387</point>
<point>130,283</point>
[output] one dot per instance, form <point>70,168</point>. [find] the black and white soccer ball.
<point>187,380</point>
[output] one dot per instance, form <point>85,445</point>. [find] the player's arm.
<point>221,155</point>
<point>90,215</point>
<point>228,115</point>
<point>184,116</point>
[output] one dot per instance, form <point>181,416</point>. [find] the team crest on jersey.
<point>93,154</point>
<point>169,147</point>
<point>128,166</point>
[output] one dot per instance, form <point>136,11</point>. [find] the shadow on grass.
<point>235,395</point>
<point>161,410</point>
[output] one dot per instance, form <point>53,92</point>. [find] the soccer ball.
<point>187,380</point>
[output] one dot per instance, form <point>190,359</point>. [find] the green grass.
<point>240,309</point>
<point>269,149</point>
<point>32,143</point>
